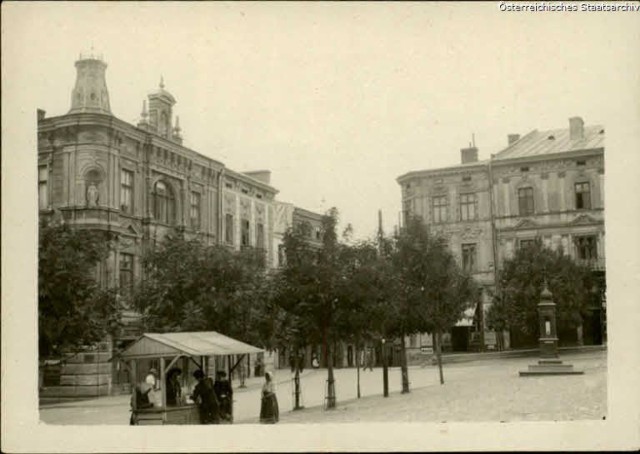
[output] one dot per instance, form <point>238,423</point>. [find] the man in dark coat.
<point>224,393</point>
<point>205,396</point>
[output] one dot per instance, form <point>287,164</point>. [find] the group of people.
<point>214,399</point>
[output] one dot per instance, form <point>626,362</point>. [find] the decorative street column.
<point>547,317</point>
<point>549,363</point>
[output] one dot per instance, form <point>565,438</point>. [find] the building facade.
<point>140,183</point>
<point>546,185</point>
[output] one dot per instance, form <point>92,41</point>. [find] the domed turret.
<point>90,93</point>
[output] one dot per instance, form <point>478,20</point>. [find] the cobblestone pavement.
<point>487,390</point>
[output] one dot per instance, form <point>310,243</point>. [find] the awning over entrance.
<point>467,318</point>
<point>206,343</point>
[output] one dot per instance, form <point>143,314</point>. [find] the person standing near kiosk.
<point>224,393</point>
<point>205,396</point>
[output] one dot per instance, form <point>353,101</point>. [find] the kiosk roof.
<point>205,343</point>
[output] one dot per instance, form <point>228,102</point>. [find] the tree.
<point>188,286</point>
<point>310,290</point>
<point>73,311</point>
<point>521,281</point>
<point>364,297</point>
<point>433,292</point>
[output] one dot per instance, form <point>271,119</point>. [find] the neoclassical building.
<point>546,184</point>
<point>139,182</point>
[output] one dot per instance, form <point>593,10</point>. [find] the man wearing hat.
<point>224,393</point>
<point>205,396</point>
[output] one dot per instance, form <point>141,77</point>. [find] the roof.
<point>553,141</point>
<point>206,343</point>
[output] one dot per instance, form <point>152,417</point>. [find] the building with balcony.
<point>546,185</point>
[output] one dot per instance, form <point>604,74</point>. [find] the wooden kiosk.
<point>187,351</point>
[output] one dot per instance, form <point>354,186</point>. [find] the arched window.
<point>164,203</point>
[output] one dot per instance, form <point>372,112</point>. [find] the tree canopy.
<point>188,286</point>
<point>72,308</point>
<point>520,284</point>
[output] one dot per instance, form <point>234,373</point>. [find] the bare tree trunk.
<point>403,365</point>
<point>439,355</point>
<point>296,382</point>
<point>331,390</point>
<point>358,365</point>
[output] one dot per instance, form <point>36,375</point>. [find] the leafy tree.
<point>188,286</point>
<point>433,292</point>
<point>73,311</point>
<point>521,281</point>
<point>310,291</point>
<point>364,302</point>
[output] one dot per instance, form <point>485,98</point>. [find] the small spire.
<point>162,82</point>
<point>144,113</point>
<point>176,128</point>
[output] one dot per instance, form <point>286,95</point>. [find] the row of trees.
<point>344,291</point>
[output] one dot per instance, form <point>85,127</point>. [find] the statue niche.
<point>93,179</point>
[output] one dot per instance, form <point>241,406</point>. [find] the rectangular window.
<point>525,201</point>
<point>228,228</point>
<point>468,204</point>
<point>245,233</point>
<point>583,196</point>
<point>260,236</point>
<point>439,205</point>
<point>523,244</point>
<point>126,272</point>
<point>195,210</point>
<point>586,247</point>
<point>318,233</point>
<point>43,189</point>
<point>281,255</point>
<point>469,257</point>
<point>126,191</point>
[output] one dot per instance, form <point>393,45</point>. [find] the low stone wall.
<point>83,374</point>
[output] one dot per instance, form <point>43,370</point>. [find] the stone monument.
<point>549,362</point>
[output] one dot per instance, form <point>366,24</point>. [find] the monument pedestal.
<point>550,367</point>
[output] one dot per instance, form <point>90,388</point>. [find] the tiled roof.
<point>554,141</point>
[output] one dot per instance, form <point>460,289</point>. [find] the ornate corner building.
<point>139,182</point>
<point>546,185</point>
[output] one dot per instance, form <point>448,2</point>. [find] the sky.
<point>337,100</point>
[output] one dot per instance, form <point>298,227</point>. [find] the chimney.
<point>41,114</point>
<point>469,155</point>
<point>513,138</point>
<point>576,128</point>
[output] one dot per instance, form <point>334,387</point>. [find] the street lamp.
<point>385,371</point>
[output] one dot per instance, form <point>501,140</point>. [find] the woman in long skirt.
<point>269,413</point>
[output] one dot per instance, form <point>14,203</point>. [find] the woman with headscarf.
<point>269,413</point>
